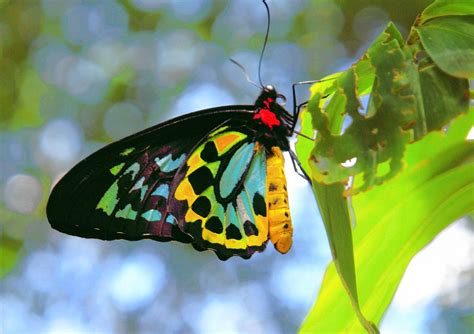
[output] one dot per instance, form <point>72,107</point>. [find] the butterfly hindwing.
<point>222,193</point>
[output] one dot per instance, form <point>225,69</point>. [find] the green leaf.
<point>304,145</point>
<point>335,212</point>
<point>450,42</point>
<point>447,7</point>
<point>409,97</point>
<point>395,221</point>
<point>404,106</point>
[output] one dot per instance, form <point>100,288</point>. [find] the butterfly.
<point>213,178</point>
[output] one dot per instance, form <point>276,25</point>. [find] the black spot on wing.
<point>214,224</point>
<point>259,206</point>
<point>200,179</point>
<point>232,232</point>
<point>161,202</point>
<point>202,206</point>
<point>250,228</point>
<point>209,153</point>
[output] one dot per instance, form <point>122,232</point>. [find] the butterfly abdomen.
<point>279,219</point>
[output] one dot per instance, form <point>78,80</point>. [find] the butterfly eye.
<point>269,88</point>
<point>281,99</point>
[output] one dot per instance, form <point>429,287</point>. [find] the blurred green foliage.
<point>20,25</point>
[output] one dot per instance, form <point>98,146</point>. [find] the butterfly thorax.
<point>273,123</point>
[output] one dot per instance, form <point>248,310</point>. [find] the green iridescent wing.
<point>123,198</point>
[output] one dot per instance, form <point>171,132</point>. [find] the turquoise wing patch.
<point>236,169</point>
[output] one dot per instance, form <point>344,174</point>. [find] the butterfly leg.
<point>297,107</point>
<point>297,166</point>
<point>296,111</point>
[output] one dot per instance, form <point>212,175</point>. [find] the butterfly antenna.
<point>247,76</point>
<point>264,44</point>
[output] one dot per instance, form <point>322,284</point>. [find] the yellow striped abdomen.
<point>279,219</point>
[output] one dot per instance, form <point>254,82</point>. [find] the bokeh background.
<point>78,74</point>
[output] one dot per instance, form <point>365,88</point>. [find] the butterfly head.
<point>271,92</point>
<point>270,112</point>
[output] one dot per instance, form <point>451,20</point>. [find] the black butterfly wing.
<point>122,190</point>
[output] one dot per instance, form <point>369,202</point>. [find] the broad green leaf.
<point>450,42</point>
<point>335,212</point>
<point>395,221</point>
<point>409,98</point>
<point>443,96</point>
<point>447,8</point>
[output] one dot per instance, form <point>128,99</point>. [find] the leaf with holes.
<point>403,105</point>
<point>405,96</point>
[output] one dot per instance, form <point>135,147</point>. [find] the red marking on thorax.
<point>266,116</point>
